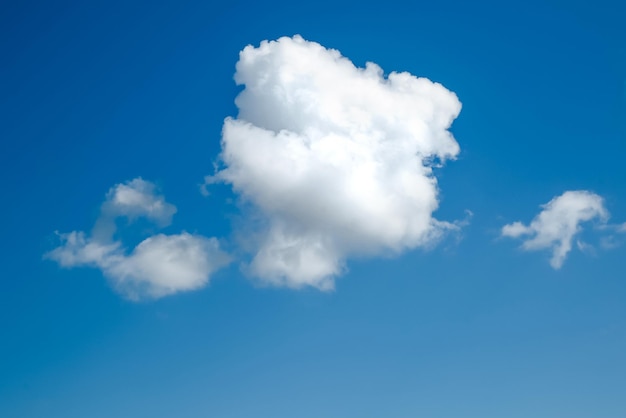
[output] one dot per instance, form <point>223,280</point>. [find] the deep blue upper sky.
<point>92,95</point>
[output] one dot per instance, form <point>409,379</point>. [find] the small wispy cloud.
<point>134,199</point>
<point>158,266</point>
<point>335,160</point>
<point>559,221</point>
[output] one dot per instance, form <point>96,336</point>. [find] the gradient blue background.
<point>96,93</point>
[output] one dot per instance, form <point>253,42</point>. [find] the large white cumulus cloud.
<point>336,159</point>
<point>158,266</point>
<point>558,222</point>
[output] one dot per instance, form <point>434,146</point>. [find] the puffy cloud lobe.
<point>158,266</point>
<point>133,199</point>
<point>77,250</point>
<point>138,198</point>
<point>557,224</point>
<point>336,159</point>
<point>166,264</point>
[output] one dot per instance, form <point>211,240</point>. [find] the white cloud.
<point>77,250</point>
<point>557,224</point>
<point>133,199</point>
<point>337,160</point>
<point>158,266</point>
<point>166,264</point>
<point>137,198</point>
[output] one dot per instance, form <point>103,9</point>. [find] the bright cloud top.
<point>135,199</point>
<point>158,266</point>
<point>336,159</point>
<point>139,198</point>
<point>557,224</point>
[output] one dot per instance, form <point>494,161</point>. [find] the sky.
<point>329,210</point>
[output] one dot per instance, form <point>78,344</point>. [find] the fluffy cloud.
<point>557,224</point>
<point>133,199</point>
<point>336,160</point>
<point>138,198</point>
<point>158,266</point>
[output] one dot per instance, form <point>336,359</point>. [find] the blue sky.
<point>96,95</point>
